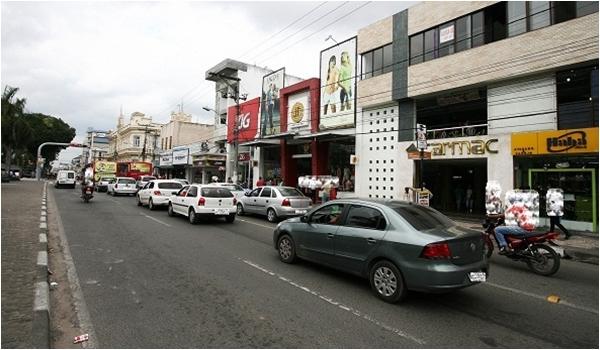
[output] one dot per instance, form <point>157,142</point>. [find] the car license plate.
<point>477,276</point>
<point>300,211</point>
<point>221,211</point>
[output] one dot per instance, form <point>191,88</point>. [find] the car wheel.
<point>150,204</point>
<point>139,201</point>
<point>230,218</point>
<point>240,209</point>
<point>170,211</point>
<point>192,216</point>
<point>286,249</point>
<point>387,282</point>
<point>271,215</point>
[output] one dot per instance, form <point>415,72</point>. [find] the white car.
<point>65,178</point>
<point>196,201</point>
<point>144,180</point>
<point>157,193</point>
<point>122,185</point>
<point>237,190</point>
<point>102,184</point>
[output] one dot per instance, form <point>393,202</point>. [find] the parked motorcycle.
<point>87,193</point>
<point>540,258</point>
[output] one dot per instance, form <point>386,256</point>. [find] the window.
<point>577,97</point>
<point>266,192</point>
<point>169,185</point>
<point>539,14</point>
<point>170,142</point>
<point>328,215</point>
<point>223,118</point>
<point>416,48</point>
<point>585,8</point>
<point>463,33</point>
<point>193,192</point>
<point>430,44</point>
<point>290,192</point>
<point>149,185</point>
<point>255,193</point>
<point>216,192</point>
<point>136,141</point>
<point>423,218</point>
<point>183,191</point>
<point>517,16</point>
<point>377,62</point>
<point>477,29</point>
<point>446,41</point>
<point>365,217</point>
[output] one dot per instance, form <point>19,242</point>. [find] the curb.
<point>40,336</point>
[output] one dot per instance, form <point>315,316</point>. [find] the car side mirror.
<point>304,218</point>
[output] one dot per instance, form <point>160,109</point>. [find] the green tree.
<point>16,132</point>
<point>47,128</point>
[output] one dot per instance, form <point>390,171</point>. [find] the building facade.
<point>98,142</point>
<point>137,140</point>
<point>487,79</point>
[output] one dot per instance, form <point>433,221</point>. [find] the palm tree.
<point>16,132</point>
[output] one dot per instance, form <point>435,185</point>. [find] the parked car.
<point>122,185</point>
<point>196,201</point>
<point>398,246</point>
<point>183,181</point>
<point>237,190</point>
<point>102,184</point>
<point>65,178</point>
<point>143,180</point>
<point>276,202</point>
<point>157,193</point>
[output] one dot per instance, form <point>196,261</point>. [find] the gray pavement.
<point>21,202</point>
<point>152,281</point>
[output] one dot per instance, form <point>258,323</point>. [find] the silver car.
<point>276,202</point>
<point>237,190</point>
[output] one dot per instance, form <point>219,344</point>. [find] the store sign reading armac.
<point>555,142</point>
<point>464,147</point>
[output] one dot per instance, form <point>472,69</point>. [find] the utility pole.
<point>143,155</point>
<point>236,97</point>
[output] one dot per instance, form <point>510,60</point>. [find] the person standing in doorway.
<point>458,196</point>
<point>469,199</point>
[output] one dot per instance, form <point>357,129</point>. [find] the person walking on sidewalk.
<point>554,209</point>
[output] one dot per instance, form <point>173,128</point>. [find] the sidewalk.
<point>20,220</point>
<point>582,246</point>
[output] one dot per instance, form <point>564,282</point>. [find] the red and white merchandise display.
<point>522,209</point>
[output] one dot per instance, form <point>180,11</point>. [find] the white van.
<point>65,178</point>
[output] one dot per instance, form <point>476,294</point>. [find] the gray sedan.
<point>398,246</point>
<point>275,202</point>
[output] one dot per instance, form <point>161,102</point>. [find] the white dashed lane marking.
<point>339,305</point>
<point>159,221</point>
<point>255,223</point>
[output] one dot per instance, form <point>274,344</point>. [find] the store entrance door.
<point>450,181</point>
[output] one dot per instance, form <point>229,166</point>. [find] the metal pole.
<point>38,169</point>
<point>421,170</point>
<point>236,136</point>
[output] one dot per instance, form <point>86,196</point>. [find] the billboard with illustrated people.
<point>338,85</point>
<point>269,115</point>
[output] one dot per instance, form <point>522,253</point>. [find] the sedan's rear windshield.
<point>170,185</point>
<point>233,187</point>
<point>106,178</point>
<point>70,175</point>
<point>127,181</point>
<point>216,192</point>
<point>148,178</point>
<point>423,218</point>
<point>290,192</point>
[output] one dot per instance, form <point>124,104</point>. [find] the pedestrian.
<point>458,196</point>
<point>260,182</point>
<point>325,191</point>
<point>469,199</point>
<point>554,209</point>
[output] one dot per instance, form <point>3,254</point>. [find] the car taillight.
<point>234,201</point>
<point>157,193</point>
<point>285,203</point>
<point>201,201</point>
<point>436,251</point>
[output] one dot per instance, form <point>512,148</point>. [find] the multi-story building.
<point>508,92</point>
<point>97,142</point>
<point>137,140</point>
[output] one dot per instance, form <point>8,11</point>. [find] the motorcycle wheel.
<point>545,261</point>
<point>488,246</point>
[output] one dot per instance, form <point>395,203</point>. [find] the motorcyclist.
<point>525,226</point>
<point>87,182</point>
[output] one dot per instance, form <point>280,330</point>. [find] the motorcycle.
<point>540,258</point>
<point>87,194</point>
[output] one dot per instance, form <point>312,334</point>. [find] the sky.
<point>84,61</point>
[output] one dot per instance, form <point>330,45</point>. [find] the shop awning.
<point>329,133</point>
<point>260,142</point>
<point>281,135</point>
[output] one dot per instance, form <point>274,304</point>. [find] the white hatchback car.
<point>157,193</point>
<point>237,190</point>
<point>196,201</point>
<point>122,185</point>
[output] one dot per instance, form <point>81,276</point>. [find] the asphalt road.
<point>152,281</point>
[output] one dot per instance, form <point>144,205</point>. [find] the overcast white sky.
<point>82,61</point>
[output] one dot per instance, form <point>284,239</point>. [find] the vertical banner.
<point>269,115</point>
<point>247,121</point>
<point>338,85</point>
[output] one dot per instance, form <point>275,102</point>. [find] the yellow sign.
<point>141,167</point>
<point>105,167</point>
<point>555,142</point>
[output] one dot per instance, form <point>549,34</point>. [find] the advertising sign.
<point>269,115</point>
<point>338,85</point>
<point>181,156</point>
<point>105,167</point>
<point>141,167</point>
<point>247,121</point>
<point>447,34</point>
<point>421,136</point>
<point>299,111</point>
<point>555,142</point>
<point>166,159</point>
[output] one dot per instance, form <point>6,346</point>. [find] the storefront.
<point>165,164</point>
<point>566,159</point>
<point>181,163</point>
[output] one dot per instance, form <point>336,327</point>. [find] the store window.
<point>577,97</point>
<point>339,163</point>
<point>377,62</point>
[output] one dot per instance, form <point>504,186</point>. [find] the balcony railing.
<point>461,131</point>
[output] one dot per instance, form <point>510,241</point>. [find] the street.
<point>152,281</point>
